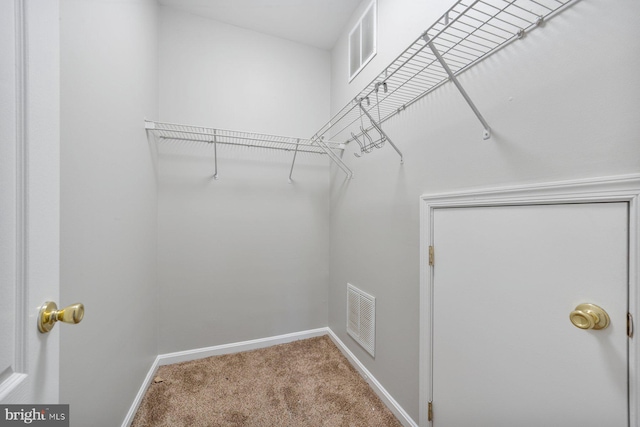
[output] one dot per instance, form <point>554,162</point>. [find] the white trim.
<point>128,419</point>
<point>607,189</point>
<point>183,356</point>
<point>382,393</point>
<point>217,350</point>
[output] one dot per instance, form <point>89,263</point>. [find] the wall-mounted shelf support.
<point>384,137</point>
<point>487,130</point>
<point>319,141</point>
<point>215,154</point>
<point>295,154</point>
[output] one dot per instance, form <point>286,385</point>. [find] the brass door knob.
<point>49,315</point>
<point>589,316</point>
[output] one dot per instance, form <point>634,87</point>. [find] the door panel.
<point>504,283</point>
<point>29,198</point>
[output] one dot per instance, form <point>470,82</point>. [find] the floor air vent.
<point>361,318</point>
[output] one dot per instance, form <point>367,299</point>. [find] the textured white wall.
<point>562,103</point>
<point>108,204</point>
<point>244,256</point>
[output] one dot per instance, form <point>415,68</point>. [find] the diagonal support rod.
<point>215,154</point>
<point>454,79</point>
<point>320,141</point>
<point>295,154</point>
<point>379,129</point>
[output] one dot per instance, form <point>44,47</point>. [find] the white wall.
<point>562,104</point>
<point>215,74</point>
<point>108,204</point>
<point>244,256</point>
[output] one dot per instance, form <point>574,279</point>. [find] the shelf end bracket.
<point>487,129</point>
<point>295,154</point>
<point>215,153</point>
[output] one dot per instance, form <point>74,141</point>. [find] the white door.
<point>29,198</point>
<point>505,280</point>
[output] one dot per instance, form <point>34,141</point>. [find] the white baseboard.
<point>382,393</point>
<point>217,350</point>
<point>143,389</point>
<point>200,353</point>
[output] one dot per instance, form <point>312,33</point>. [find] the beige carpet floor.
<point>303,383</point>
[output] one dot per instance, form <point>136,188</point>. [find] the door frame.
<point>625,188</point>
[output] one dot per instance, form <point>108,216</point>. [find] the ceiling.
<point>312,22</point>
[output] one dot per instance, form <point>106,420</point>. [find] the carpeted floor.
<point>303,383</point>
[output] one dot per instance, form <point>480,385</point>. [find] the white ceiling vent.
<point>361,318</point>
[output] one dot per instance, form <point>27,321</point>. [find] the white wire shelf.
<point>179,132</point>
<point>467,33</point>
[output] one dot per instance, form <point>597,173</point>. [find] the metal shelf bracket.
<point>319,141</point>
<point>487,129</point>
<point>293,162</point>
<point>215,153</point>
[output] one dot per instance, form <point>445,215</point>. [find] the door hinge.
<point>430,411</point>
<point>431,258</point>
<point>629,325</point>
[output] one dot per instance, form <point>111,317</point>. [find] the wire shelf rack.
<point>467,33</point>
<point>180,132</point>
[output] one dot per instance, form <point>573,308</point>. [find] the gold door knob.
<point>589,316</point>
<point>49,315</point>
